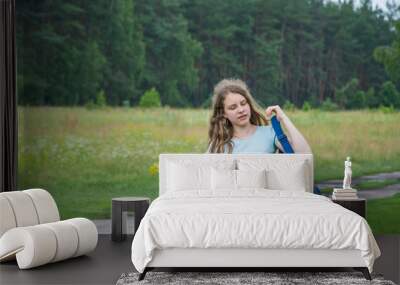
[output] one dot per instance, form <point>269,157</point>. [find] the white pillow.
<point>183,178</point>
<point>223,179</point>
<point>293,180</point>
<point>251,178</point>
<point>226,179</point>
<point>193,175</point>
<point>282,174</point>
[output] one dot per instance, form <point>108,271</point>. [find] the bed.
<point>247,210</point>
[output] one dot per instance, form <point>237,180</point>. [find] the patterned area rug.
<point>225,278</point>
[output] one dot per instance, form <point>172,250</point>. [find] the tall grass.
<point>84,158</point>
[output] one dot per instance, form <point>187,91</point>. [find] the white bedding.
<point>252,218</point>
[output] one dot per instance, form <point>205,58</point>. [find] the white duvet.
<point>251,218</point>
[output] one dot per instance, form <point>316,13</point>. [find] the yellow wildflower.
<point>153,169</point>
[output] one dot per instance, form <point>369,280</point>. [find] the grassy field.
<point>86,157</point>
<point>383,215</point>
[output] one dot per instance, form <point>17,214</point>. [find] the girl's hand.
<point>278,112</point>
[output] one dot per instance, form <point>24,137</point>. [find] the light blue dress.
<point>261,141</point>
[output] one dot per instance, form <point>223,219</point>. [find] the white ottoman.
<point>31,232</point>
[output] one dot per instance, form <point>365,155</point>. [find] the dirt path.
<point>383,192</point>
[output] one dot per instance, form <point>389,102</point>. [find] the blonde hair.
<point>220,130</point>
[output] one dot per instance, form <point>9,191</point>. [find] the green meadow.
<point>86,157</point>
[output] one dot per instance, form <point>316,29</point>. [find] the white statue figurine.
<point>347,174</point>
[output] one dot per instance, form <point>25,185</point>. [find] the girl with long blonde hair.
<point>238,124</point>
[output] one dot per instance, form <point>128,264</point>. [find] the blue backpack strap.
<point>285,143</point>
<point>281,135</point>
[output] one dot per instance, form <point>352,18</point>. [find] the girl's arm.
<point>295,138</point>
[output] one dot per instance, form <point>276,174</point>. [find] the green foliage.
<point>101,99</point>
<point>388,95</point>
<point>207,103</point>
<point>122,38</point>
<point>90,105</point>
<point>348,96</point>
<point>285,50</point>
<point>99,103</point>
<point>372,100</point>
<point>151,98</point>
<point>387,109</point>
<point>171,50</point>
<point>126,103</point>
<point>328,105</point>
<point>172,94</point>
<point>390,56</point>
<point>89,78</point>
<point>358,100</point>
<point>306,106</point>
<point>289,106</point>
<point>78,48</point>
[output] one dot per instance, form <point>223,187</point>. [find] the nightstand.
<point>358,205</point>
<point>120,207</point>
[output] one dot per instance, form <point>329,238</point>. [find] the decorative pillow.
<point>291,175</point>
<point>251,178</point>
<point>189,175</point>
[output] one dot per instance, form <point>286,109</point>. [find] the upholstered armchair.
<point>31,231</point>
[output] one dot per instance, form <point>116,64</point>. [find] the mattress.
<point>250,219</point>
